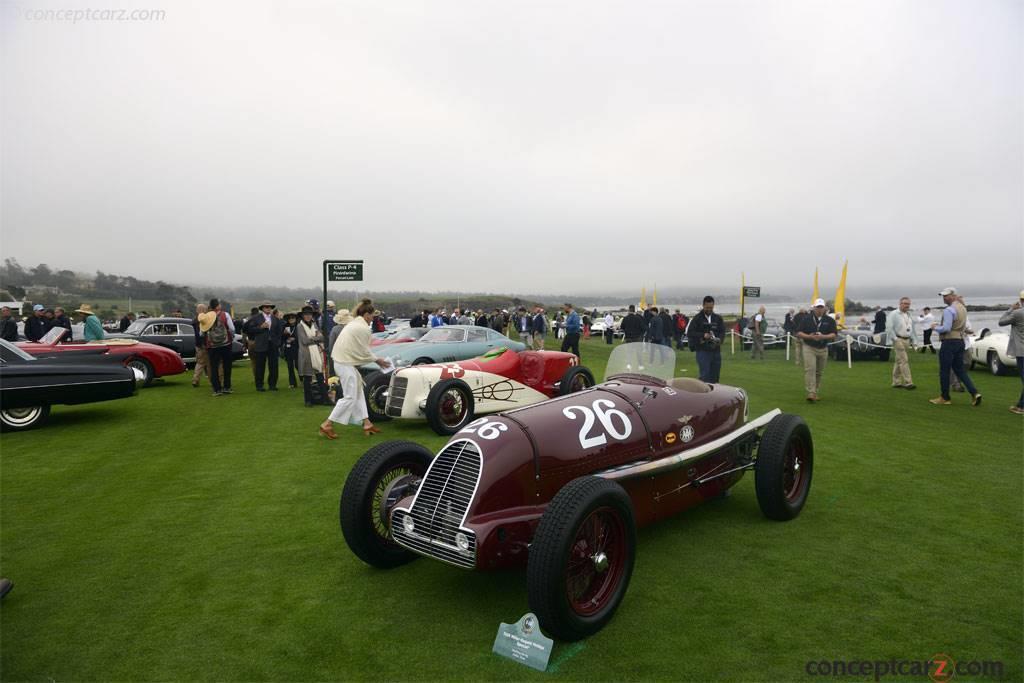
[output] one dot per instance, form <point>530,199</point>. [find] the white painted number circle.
<point>613,422</point>
<point>486,429</point>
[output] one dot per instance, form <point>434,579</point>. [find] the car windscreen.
<point>9,352</point>
<point>444,334</point>
<point>642,358</point>
<point>136,327</point>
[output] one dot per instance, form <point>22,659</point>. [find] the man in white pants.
<point>901,334</point>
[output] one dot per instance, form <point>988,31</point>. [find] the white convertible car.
<point>989,348</point>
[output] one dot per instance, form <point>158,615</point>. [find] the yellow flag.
<point>815,295</point>
<point>840,305</point>
<point>643,299</point>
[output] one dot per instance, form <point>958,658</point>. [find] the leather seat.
<point>694,386</point>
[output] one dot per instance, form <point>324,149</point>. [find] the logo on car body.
<point>686,434</point>
<point>452,371</point>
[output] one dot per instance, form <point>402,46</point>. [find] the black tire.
<point>142,365</point>
<point>883,355</point>
<point>555,542</point>
<point>423,361</point>
<point>362,523</point>
<point>20,419</point>
<point>782,488</point>
<point>996,366</point>
<point>576,378</point>
<point>439,415</point>
<point>375,388</point>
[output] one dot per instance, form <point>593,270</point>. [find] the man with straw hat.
<point>219,331</point>
<point>93,328</point>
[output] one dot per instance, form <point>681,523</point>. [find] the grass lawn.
<point>174,536</point>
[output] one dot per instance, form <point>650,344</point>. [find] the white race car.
<point>989,348</point>
<point>449,395</point>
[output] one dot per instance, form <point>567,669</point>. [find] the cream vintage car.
<point>450,395</point>
<point>989,349</point>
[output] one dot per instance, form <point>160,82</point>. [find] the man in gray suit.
<point>1015,319</point>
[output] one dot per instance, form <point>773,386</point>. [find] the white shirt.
<point>609,321</point>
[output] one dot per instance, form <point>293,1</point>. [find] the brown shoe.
<point>1017,410</point>
<point>976,400</point>
<point>939,401</point>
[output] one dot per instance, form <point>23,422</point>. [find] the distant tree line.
<point>51,286</point>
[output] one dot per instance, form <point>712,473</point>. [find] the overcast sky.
<point>509,146</point>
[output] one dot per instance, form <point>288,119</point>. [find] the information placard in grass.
<point>523,642</point>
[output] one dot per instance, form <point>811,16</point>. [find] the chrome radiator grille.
<point>396,396</point>
<point>440,506</point>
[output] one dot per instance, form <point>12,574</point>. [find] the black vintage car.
<point>29,386</point>
<point>174,333</point>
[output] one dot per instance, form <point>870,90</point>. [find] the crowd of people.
<point>42,320</point>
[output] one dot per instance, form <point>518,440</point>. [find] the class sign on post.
<point>752,292</point>
<point>343,271</point>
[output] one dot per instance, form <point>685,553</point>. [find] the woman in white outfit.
<point>351,351</point>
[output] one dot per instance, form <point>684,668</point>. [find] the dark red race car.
<point>450,395</point>
<point>150,360</point>
<point>561,486</point>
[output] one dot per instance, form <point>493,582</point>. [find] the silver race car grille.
<point>396,396</point>
<point>440,506</point>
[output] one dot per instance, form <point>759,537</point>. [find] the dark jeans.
<point>220,357</point>
<point>710,364</point>
<point>291,359</point>
<point>265,360</point>
<point>927,341</point>
<point>951,357</point>
<point>609,336</point>
<point>1020,369</point>
<point>572,342</point>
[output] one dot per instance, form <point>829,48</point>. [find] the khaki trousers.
<point>798,346</point>
<point>202,365</point>
<point>901,363</point>
<point>758,347</point>
<point>538,341</point>
<point>814,367</point>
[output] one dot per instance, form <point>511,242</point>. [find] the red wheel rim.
<point>453,408</point>
<point>794,473</point>
<point>597,559</point>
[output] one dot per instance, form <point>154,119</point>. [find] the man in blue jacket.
<point>573,327</point>
<point>538,327</point>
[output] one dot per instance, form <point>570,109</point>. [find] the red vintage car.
<point>561,486</point>
<point>150,360</point>
<point>450,395</point>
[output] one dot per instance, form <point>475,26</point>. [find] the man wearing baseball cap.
<point>36,325</point>
<point>816,331</point>
<point>951,348</point>
<point>1015,319</point>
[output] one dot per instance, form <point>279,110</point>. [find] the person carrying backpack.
<point>219,330</point>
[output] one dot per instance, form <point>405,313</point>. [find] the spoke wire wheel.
<point>596,562</point>
<point>378,397</point>
<point>579,383</point>
<point>383,499</point>
<point>453,407</point>
<point>142,366</point>
<point>374,485</point>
